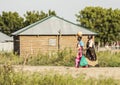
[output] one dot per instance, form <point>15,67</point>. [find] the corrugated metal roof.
<point>4,37</point>
<point>51,26</point>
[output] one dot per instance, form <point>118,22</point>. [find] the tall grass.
<point>64,58</point>
<point>9,57</point>
<point>108,59</point>
<point>61,58</point>
<point>9,77</point>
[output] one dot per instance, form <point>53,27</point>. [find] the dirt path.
<point>95,72</point>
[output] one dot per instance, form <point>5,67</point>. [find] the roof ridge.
<point>44,19</point>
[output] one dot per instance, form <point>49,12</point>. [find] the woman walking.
<point>80,50</point>
<point>90,52</point>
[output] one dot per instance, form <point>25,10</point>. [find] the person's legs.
<point>88,55</point>
<point>95,57</point>
<point>94,54</point>
<point>77,62</point>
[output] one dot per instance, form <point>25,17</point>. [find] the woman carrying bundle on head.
<point>80,45</point>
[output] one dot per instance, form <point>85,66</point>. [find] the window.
<point>52,42</point>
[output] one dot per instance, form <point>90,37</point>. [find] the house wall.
<point>34,44</point>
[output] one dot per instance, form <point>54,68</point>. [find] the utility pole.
<point>59,36</point>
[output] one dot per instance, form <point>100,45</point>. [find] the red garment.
<point>78,57</point>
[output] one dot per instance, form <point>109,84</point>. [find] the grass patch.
<point>61,58</point>
<point>9,77</point>
<point>108,59</point>
<point>9,57</point>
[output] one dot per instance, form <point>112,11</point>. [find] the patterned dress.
<point>79,54</point>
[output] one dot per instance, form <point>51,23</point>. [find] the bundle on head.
<point>79,34</point>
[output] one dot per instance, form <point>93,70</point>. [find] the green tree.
<point>103,21</point>
<point>51,13</point>
<point>33,16</point>
<point>10,22</point>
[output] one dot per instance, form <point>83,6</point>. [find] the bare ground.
<point>96,72</point>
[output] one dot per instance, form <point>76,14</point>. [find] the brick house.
<point>50,34</point>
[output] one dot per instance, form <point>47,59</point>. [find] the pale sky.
<point>63,8</point>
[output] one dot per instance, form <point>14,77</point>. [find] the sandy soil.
<point>89,72</point>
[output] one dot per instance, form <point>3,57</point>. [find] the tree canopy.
<point>12,21</point>
<point>33,16</point>
<point>106,22</point>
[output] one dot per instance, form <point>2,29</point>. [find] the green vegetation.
<point>62,58</point>
<point>9,77</point>
<point>101,20</point>
<point>108,59</point>
<point>9,57</point>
